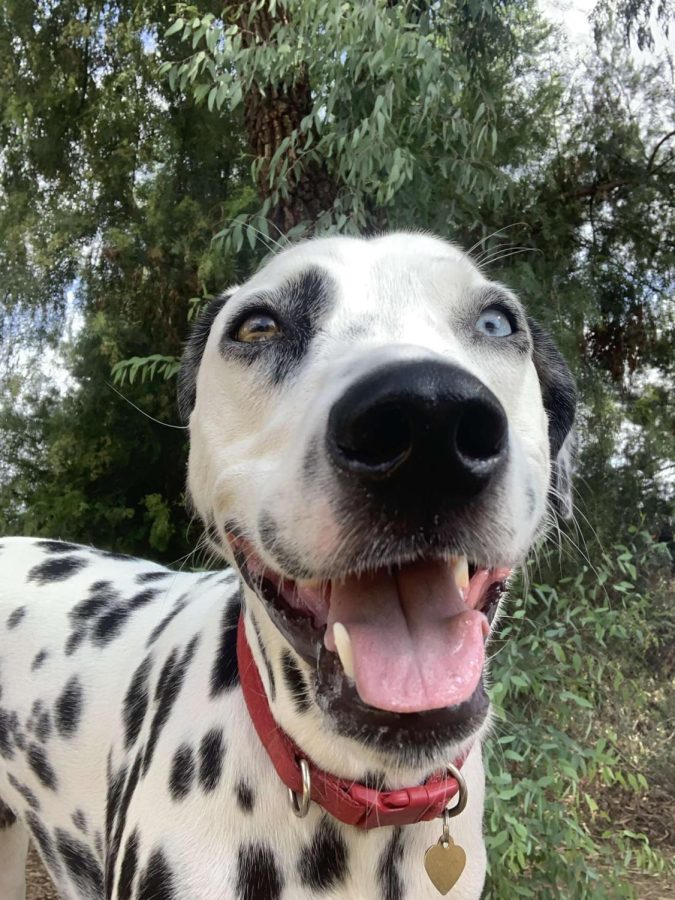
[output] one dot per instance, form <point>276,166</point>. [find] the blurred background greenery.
<point>149,156</point>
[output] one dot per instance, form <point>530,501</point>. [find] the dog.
<point>379,434</point>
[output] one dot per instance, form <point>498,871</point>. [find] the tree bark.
<point>272,113</point>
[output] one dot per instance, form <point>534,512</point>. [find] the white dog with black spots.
<point>379,435</point>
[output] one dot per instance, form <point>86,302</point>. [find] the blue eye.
<point>494,322</point>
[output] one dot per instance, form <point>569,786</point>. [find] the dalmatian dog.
<point>379,434</point>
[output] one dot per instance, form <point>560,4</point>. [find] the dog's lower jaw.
<point>291,687</point>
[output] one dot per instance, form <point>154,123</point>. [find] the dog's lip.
<point>293,593</point>
<point>442,674</point>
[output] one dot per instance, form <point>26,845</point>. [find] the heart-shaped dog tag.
<point>444,863</point>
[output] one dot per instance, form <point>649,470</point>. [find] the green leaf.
<point>175,26</point>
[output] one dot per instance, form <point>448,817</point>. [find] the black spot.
<point>16,617</point>
<point>69,708</point>
<point>388,870</point>
<point>157,881</point>
<point>144,577</point>
<point>25,792</point>
<point>102,594</point>
<point>136,702</point>
<point>245,797</point>
<point>74,642</point>
<point>168,687</point>
<point>143,598</point>
<point>79,821</point>
<point>59,546</point>
<point>81,864</point>
<point>37,760</point>
<point>39,659</point>
<point>295,682</point>
<point>7,817</point>
<point>113,845</point>
<point>43,727</point>
<point>109,625</point>
<point>323,863</point>
<point>179,606</point>
<point>182,772</point>
<point>44,841</point>
<point>6,747</point>
<point>266,661</point>
<point>258,876</point>
<point>225,672</point>
<point>15,728</point>
<point>57,569</point>
<point>114,796</point>
<point>211,753</point>
<point>129,866</point>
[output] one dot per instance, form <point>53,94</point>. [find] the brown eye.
<point>258,327</point>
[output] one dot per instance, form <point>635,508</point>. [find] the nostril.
<point>378,440</point>
<point>480,433</point>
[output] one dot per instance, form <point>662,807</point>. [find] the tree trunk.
<point>272,113</point>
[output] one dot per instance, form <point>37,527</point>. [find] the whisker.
<point>498,257</point>
<point>143,413</point>
<point>494,234</point>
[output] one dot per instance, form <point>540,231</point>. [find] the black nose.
<point>419,429</point>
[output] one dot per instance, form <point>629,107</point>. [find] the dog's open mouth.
<point>410,637</point>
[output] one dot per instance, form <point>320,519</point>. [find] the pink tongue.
<point>416,645</point>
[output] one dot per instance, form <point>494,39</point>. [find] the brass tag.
<point>444,863</point>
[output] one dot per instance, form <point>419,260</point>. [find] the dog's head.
<point>378,434</point>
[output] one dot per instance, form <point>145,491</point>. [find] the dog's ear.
<point>560,399</point>
<point>192,356</point>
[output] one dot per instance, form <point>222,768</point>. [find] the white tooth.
<point>343,645</point>
<point>460,570</point>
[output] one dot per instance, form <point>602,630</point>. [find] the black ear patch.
<point>559,394</point>
<point>192,356</point>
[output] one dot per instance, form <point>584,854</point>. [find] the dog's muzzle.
<point>397,645</point>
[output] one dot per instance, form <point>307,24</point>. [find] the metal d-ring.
<point>462,796</point>
<point>301,807</point>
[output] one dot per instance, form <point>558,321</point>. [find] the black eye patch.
<point>192,356</point>
<point>298,307</point>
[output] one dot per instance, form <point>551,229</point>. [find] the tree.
<point>112,188</point>
<point>450,117</point>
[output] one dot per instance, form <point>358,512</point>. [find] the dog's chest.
<point>255,848</point>
<point>233,834</point>
<point>128,752</point>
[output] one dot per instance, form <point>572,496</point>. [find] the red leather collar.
<point>353,804</point>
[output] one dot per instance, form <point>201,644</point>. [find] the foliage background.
<point>148,157</point>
